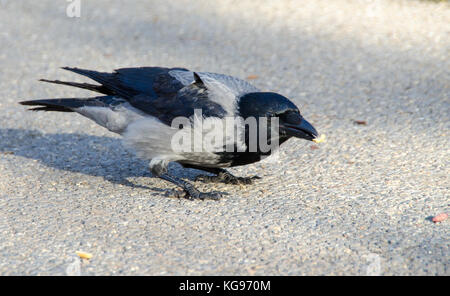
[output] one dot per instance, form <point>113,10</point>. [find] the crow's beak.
<point>304,130</point>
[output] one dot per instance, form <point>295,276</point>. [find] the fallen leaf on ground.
<point>439,218</point>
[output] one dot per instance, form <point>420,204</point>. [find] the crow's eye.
<point>293,117</point>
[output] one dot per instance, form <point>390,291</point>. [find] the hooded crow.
<point>158,111</point>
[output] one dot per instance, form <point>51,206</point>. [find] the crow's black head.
<point>268,104</point>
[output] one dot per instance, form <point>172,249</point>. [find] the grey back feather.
<point>223,89</point>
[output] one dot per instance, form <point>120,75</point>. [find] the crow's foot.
<point>193,194</point>
<point>227,178</point>
<point>190,192</point>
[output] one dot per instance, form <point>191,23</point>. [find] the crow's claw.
<point>226,178</point>
<point>195,194</point>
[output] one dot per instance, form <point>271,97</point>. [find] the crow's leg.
<point>226,177</point>
<point>222,176</point>
<point>191,191</point>
<point>159,169</point>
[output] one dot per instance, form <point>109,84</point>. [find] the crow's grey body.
<point>141,104</point>
<point>144,101</point>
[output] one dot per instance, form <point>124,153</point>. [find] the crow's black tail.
<point>64,105</point>
<point>107,80</point>
<point>97,88</point>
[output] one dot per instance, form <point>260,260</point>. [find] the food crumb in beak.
<point>319,139</point>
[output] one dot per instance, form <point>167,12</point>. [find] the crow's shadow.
<point>86,154</point>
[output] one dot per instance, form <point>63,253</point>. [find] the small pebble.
<point>360,122</point>
<point>84,255</point>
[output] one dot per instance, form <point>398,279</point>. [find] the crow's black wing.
<point>183,103</point>
<point>129,82</point>
<point>156,91</point>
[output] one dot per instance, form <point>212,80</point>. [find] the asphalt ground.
<point>359,203</point>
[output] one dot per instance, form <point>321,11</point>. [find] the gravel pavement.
<point>359,203</point>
